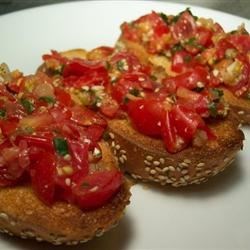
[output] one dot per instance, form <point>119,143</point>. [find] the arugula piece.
<point>27,104</point>
<point>48,99</point>
<point>2,113</point>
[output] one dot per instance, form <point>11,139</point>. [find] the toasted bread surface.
<point>24,215</point>
<point>146,158</point>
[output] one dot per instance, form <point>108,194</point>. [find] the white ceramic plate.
<point>210,216</point>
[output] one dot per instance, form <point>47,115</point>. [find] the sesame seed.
<point>4,216</point>
<point>112,136</point>
<point>152,171</point>
<point>149,158</point>
<point>186,177</point>
<point>162,160</point>
<point>117,146</point>
<point>241,112</point>
<point>124,157</point>
<point>182,180</point>
<point>208,171</point>
<point>147,169</point>
<point>201,164</point>
<point>169,181</point>
<point>67,157</point>
<point>183,164</point>
<point>187,161</point>
<point>156,163</point>
<point>123,152</point>
<point>184,171</point>
<point>147,163</point>
<point>165,169</point>
<point>226,159</point>
<point>121,159</point>
<point>113,144</point>
<point>158,169</point>
<point>162,177</point>
<point>94,189</point>
<point>171,168</point>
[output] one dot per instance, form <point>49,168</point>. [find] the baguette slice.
<point>23,214</point>
<point>146,158</point>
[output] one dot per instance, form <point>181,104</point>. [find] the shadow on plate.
<point>116,238</point>
<point>216,185</point>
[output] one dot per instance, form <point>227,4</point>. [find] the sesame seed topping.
<point>162,160</point>
<point>184,171</point>
<point>187,161</point>
<point>147,169</point>
<point>171,168</point>
<point>4,216</point>
<point>124,157</point>
<point>112,136</point>
<point>123,152</point>
<point>117,146</point>
<point>158,169</point>
<point>147,163</point>
<point>149,158</point>
<point>68,181</point>
<point>201,164</point>
<point>156,163</point>
<point>121,159</point>
<point>183,164</point>
<point>165,169</point>
<point>226,159</point>
<point>152,171</point>
<point>186,177</point>
<point>241,112</point>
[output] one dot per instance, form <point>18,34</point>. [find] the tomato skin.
<point>241,42</point>
<point>97,188</point>
<point>109,107</point>
<point>185,27</point>
<point>80,73</point>
<point>188,79</point>
<point>86,117</point>
<point>146,115</point>
<point>63,97</point>
<point>9,126</point>
<point>43,174</point>
<point>181,61</point>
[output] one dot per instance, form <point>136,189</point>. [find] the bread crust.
<point>24,215</point>
<point>146,158</point>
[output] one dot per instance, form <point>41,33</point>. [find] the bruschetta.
<point>176,44</point>
<point>59,181</point>
<point>170,136</point>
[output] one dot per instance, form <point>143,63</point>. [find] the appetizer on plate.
<point>59,180</point>
<point>165,133</point>
<point>176,45</point>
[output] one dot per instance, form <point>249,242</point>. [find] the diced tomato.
<point>109,107</point>
<point>185,27</point>
<point>96,189</point>
<point>8,126</point>
<point>85,117</point>
<point>181,61</point>
<point>186,121</point>
<point>36,141</point>
<point>80,73</point>
<point>146,115</point>
<point>60,114</point>
<point>94,134</point>
<point>171,140</point>
<point>241,42</point>
<point>190,80</point>
<point>63,97</point>
<point>129,32</point>
<point>79,154</point>
<point>43,177</point>
<point>204,36</point>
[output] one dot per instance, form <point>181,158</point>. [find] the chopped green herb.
<point>164,18</point>
<point>176,47</point>
<point>213,109</point>
<point>2,113</point>
<point>134,91</point>
<point>120,65</point>
<point>48,99</point>
<point>198,89</point>
<point>126,100</point>
<point>28,106</point>
<point>61,146</point>
<point>216,94</point>
<point>194,43</point>
<point>106,136</point>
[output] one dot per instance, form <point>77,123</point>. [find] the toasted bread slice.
<point>146,158</point>
<point>240,105</point>
<point>24,215</point>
